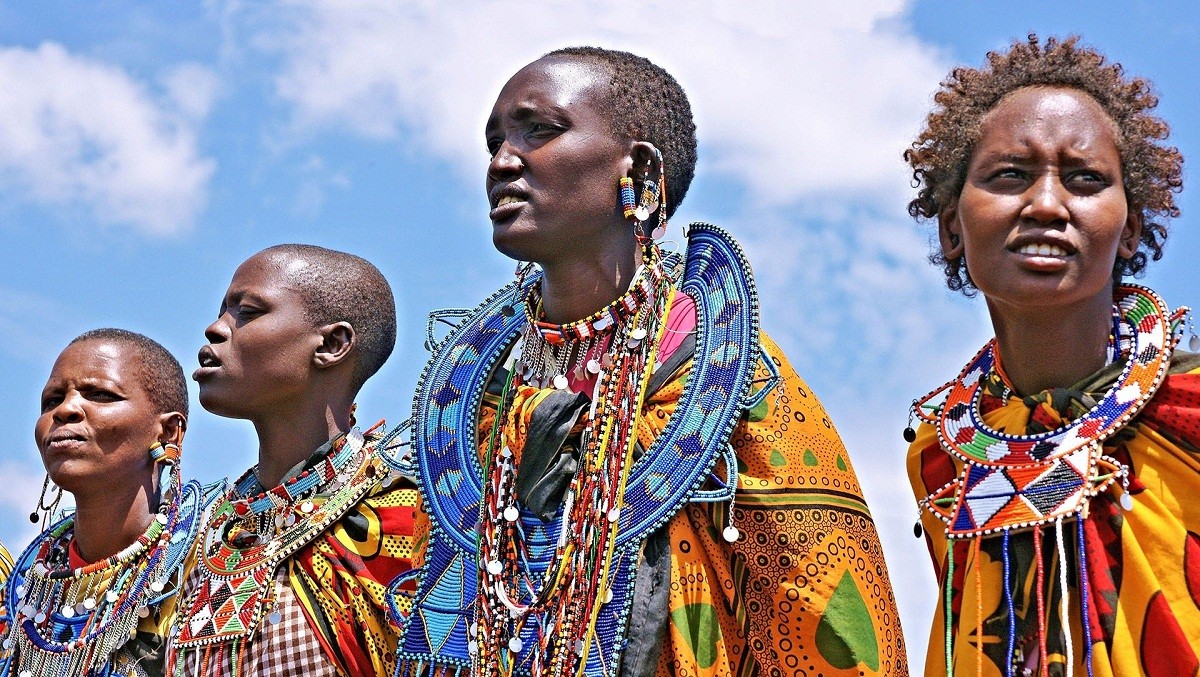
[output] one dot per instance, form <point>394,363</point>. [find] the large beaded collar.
<point>1016,482</point>
<point>671,473</point>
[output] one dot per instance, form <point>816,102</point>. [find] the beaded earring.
<point>628,199</point>
<point>167,454</point>
<point>45,511</point>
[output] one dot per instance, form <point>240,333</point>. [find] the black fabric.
<point>547,465</point>
<point>648,614</point>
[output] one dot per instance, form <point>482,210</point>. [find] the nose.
<point>217,332</point>
<point>1047,201</point>
<point>70,410</point>
<point>505,164</point>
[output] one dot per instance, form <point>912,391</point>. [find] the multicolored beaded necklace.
<point>1013,483</point>
<point>561,602</point>
<point>239,563</point>
<point>549,352</point>
<point>71,621</point>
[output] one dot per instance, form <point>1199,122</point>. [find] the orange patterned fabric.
<point>341,579</point>
<point>805,589</point>
<point>1143,587</point>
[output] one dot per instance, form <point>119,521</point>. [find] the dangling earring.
<point>628,199</point>
<point>45,509</point>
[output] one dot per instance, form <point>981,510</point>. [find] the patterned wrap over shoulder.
<point>103,620</point>
<point>1131,568</point>
<point>799,586</point>
<point>311,598</point>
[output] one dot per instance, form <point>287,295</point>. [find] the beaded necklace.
<point>560,603</point>
<point>239,565</point>
<point>70,621</point>
<point>1000,467</point>
<point>1019,483</point>
<point>442,632</point>
<point>549,352</point>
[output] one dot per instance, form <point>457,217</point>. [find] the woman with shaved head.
<point>622,474</point>
<point>95,594</point>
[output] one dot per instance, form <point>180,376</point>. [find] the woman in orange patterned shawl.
<point>651,490</point>
<point>1057,478</point>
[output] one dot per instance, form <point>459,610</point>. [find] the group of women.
<point>622,475</point>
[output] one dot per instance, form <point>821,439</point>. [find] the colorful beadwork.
<point>67,621</point>
<point>1020,481</point>
<point>238,573</point>
<point>444,627</point>
<point>628,198</point>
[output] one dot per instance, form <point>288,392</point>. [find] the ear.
<point>646,160</point>
<point>172,427</point>
<point>338,340</point>
<point>950,231</point>
<point>1131,236</point>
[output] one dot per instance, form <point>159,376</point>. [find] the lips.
<point>65,438</point>
<point>506,201</point>
<point>209,364</point>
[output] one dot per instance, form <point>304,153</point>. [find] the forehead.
<point>268,273</point>
<point>1049,115</point>
<point>559,82</point>
<point>101,359</point>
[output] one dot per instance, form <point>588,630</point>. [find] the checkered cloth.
<point>289,647</point>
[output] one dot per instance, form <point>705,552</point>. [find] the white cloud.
<point>794,99</point>
<point>76,132</point>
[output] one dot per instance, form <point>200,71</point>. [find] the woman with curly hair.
<point>623,476</point>
<point>1056,478</point>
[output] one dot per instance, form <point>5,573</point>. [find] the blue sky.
<point>148,148</point>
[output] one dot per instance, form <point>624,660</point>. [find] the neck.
<point>576,288</point>
<point>1052,348</point>
<point>288,440</point>
<point>109,521</point>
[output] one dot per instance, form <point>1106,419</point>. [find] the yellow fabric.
<point>1154,601</point>
<point>805,588</point>
<point>342,579</point>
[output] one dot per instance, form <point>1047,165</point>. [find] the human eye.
<point>51,401</point>
<point>1088,181</point>
<point>103,395</point>
<point>493,145</point>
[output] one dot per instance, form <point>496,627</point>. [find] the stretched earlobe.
<point>337,342</point>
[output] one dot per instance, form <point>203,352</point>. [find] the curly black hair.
<point>942,152</point>
<point>158,371</point>
<point>341,287</point>
<point>649,105</point>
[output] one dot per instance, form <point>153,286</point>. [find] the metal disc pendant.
<point>638,333</point>
<point>1194,343</point>
<point>511,513</point>
<point>158,586</point>
<point>1126,501</point>
<point>67,611</point>
<point>608,596</point>
<point>275,618</point>
<point>515,645</point>
<point>614,514</point>
<point>472,647</point>
<point>111,596</point>
<point>659,231</point>
<point>731,533</point>
<point>560,381</point>
<point>641,213</point>
<point>495,567</point>
<point>593,366</point>
<point>89,604</point>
